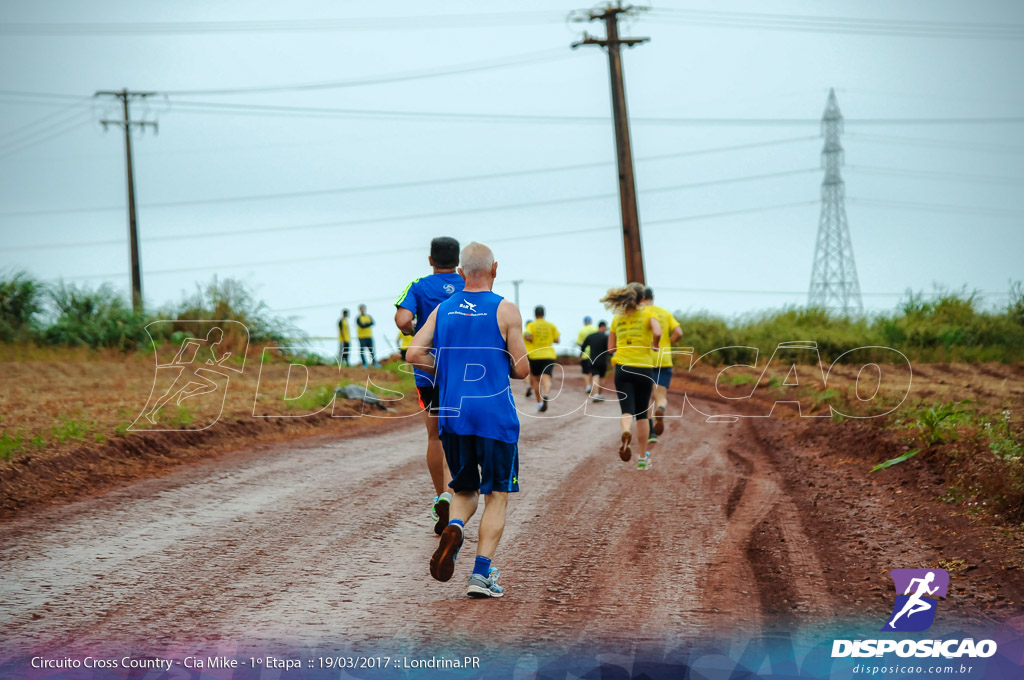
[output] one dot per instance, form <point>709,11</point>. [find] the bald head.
<point>477,266</point>
<point>476,259</point>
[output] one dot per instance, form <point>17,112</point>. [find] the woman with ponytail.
<point>633,342</point>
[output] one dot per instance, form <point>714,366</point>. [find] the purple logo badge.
<point>917,591</point>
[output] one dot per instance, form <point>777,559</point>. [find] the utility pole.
<point>133,227</point>
<point>516,284</point>
<point>627,184</point>
<point>834,284</point>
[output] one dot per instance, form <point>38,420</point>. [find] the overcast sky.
<point>927,203</point>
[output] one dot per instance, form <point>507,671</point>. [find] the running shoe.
<point>642,464</point>
<point>588,389</point>
<point>543,405</point>
<point>441,509</point>
<point>659,420</point>
<point>597,398</point>
<point>653,439</point>
<point>529,391</point>
<point>433,509</point>
<point>442,562</point>
<point>479,586</point>
<point>625,452</point>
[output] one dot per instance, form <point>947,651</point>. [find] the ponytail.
<point>624,299</point>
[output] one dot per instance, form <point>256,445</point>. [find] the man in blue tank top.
<point>477,336</point>
<point>414,305</point>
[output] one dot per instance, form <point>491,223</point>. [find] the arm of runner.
<point>509,322</point>
<point>403,319</point>
<point>419,351</point>
<point>611,342</point>
<point>656,330</point>
<point>677,333</point>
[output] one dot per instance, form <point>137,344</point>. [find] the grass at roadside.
<point>54,399</point>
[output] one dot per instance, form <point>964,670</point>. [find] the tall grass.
<point>65,314</point>
<point>950,326</point>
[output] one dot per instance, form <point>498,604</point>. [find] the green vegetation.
<point>9,445</point>
<point>68,315</point>
<point>979,453</point>
<point>69,428</point>
<point>948,326</point>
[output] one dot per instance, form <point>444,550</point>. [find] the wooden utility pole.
<point>633,248</point>
<point>133,227</point>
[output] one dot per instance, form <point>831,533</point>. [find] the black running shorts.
<point>542,366</point>
<point>634,384</point>
<point>430,398</point>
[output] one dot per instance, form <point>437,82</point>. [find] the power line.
<point>36,140</point>
<point>440,21</point>
<point>415,183</point>
<point>518,238</point>
<point>931,142</point>
<point>204,107</point>
<point>59,114</point>
<point>362,222</point>
<point>734,291</point>
<point>192,106</point>
<point>849,25</point>
<point>933,174</point>
<point>938,207</point>
<point>456,69</point>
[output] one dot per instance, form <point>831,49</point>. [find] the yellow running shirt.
<point>364,326</point>
<point>404,341</point>
<point>544,333</point>
<point>633,339</point>
<point>668,324</point>
<point>343,332</point>
<point>582,335</point>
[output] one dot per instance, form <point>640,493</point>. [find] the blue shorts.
<point>663,376</point>
<point>479,463</point>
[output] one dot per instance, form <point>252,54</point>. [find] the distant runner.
<point>403,344</point>
<point>585,359</point>
<point>413,307</point>
<point>364,333</point>
<point>479,346</point>
<point>633,342</point>
<point>543,335</point>
<point>596,345</point>
<point>529,348</point>
<point>671,332</point>
<point>344,338</point>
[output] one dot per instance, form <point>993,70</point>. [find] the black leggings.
<point>634,383</point>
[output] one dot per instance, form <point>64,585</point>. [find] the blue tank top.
<point>473,369</point>
<point>421,296</point>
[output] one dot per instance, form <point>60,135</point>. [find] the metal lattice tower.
<point>834,284</point>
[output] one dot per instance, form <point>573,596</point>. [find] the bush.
<point>21,300</point>
<point>93,318</point>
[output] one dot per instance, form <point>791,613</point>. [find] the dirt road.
<point>330,539</point>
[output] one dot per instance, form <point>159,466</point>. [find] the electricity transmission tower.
<point>627,184</point>
<point>133,228</point>
<point>834,284</point>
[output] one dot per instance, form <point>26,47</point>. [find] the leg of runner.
<point>439,473</point>
<point>492,524</point>
<point>627,401</point>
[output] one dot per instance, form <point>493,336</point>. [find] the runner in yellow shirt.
<point>403,344</point>
<point>364,332</point>
<point>633,341</point>
<point>586,361</point>
<point>543,335</point>
<point>344,339</point>
<point>529,348</point>
<point>671,332</point>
